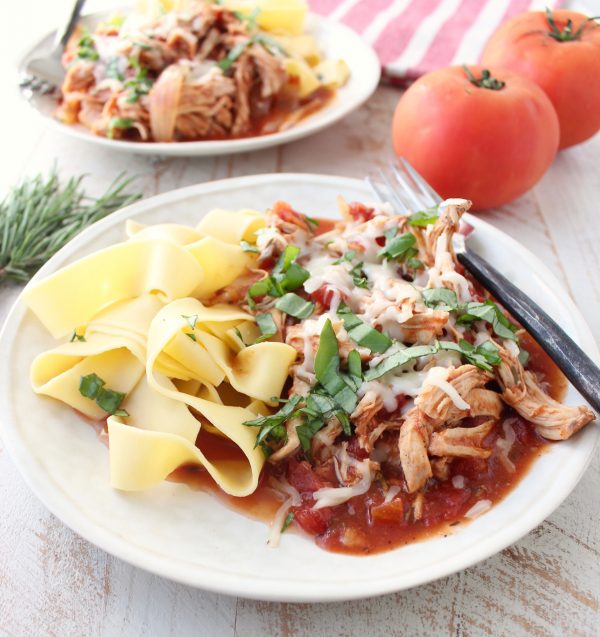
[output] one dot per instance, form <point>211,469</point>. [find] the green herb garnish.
<point>488,311</point>
<point>268,424</point>
<point>400,247</point>
<point>361,333</point>
<point>119,123</point>
<point>93,387</point>
<point>285,277</point>
<point>347,257</point>
<point>295,306</point>
<point>289,518</point>
<point>440,299</point>
<point>267,327</point>
<point>248,247</point>
<point>424,218</point>
<point>399,358</point>
<point>483,356</point>
<point>77,337</point>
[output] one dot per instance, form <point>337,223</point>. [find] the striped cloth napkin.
<point>413,37</point>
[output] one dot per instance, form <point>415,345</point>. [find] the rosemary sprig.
<point>39,216</point>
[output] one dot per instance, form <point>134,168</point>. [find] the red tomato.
<point>488,141</point>
<point>564,61</point>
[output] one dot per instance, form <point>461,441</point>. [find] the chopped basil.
<point>440,299</point>
<point>483,356</point>
<point>355,367</point>
<point>226,63</point>
<point>249,19</point>
<point>289,518</point>
<point>358,276</point>
<point>488,311</point>
<point>140,84</point>
<point>267,327</point>
<point>424,218</point>
<point>415,264</point>
<point>248,247</point>
<point>361,333</point>
<point>119,123</point>
<point>523,357</point>
<point>86,47</point>
<point>399,247</point>
<point>77,337</point>
<point>295,306</point>
<point>268,424</point>
<point>112,69</point>
<point>92,386</point>
<point>399,358</point>
<point>311,221</point>
<point>285,277</point>
<point>327,370</point>
<point>344,421</point>
<point>347,256</point>
<point>306,432</point>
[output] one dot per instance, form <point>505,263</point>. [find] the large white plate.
<point>335,40</point>
<point>188,536</point>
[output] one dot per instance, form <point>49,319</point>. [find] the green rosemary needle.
<point>39,216</point>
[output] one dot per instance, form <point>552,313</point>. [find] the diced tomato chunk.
<point>354,449</point>
<point>312,521</point>
<point>323,295</point>
<point>360,212</point>
<point>303,478</point>
<point>388,512</point>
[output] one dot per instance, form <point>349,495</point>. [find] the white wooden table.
<point>52,582</point>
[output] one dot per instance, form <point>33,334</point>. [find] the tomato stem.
<point>566,35</point>
<point>485,81</point>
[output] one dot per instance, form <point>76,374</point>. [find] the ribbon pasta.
<point>141,326</point>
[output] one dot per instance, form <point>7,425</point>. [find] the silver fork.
<point>408,191</point>
<point>44,74</point>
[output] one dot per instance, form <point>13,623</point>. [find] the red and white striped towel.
<point>413,37</point>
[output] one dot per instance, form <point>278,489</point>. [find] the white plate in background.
<point>335,41</point>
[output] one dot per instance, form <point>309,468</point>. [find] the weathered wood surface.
<point>52,582</point>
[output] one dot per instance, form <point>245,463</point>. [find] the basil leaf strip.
<point>268,423</point>
<point>440,299</point>
<point>307,431</point>
<point>267,327</point>
<point>488,311</point>
<point>92,386</point>
<point>295,306</point>
<point>482,356</point>
<point>289,518</point>
<point>424,218</point>
<point>361,333</point>
<point>399,358</point>
<point>327,370</point>
<point>248,247</point>
<point>400,247</point>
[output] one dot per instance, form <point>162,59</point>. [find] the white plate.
<point>190,537</point>
<point>335,40</point>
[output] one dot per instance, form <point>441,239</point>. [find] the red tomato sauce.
<point>365,525</point>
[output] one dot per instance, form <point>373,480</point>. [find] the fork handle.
<point>65,31</point>
<point>575,364</point>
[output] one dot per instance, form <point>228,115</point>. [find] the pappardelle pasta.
<point>355,371</point>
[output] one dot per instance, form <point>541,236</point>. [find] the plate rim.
<point>213,148</point>
<point>235,584</point>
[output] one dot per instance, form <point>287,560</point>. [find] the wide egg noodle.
<point>114,348</point>
<point>120,272</point>
<point>231,227</point>
<point>144,454</point>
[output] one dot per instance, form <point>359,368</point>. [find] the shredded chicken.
<point>468,381</point>
<point>461,441</point>
<point>521,390</point>
<point>364,415</point>
<point>413,444</point>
